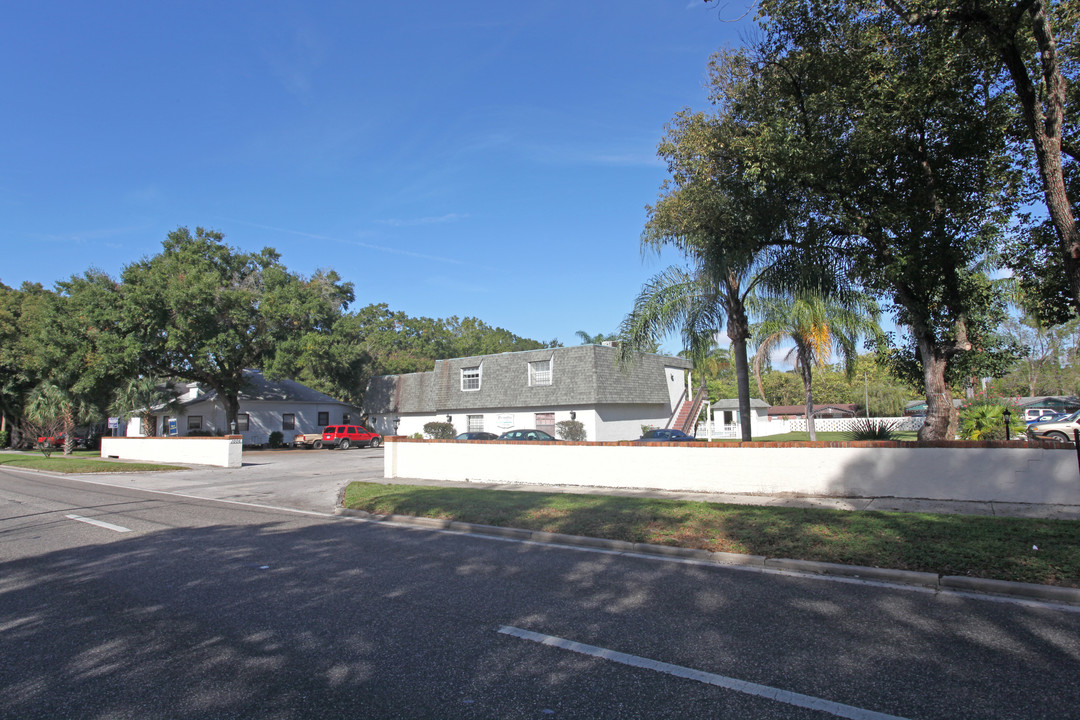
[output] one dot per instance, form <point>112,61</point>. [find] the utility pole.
<point>866,391</point>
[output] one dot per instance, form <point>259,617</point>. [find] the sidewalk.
<point>891,504</point>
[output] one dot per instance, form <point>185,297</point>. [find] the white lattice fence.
<point>850,424</point>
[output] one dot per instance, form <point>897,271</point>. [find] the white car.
<point>1060,430</point>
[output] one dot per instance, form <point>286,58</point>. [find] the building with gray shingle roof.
<point>535,388</point>
<point>266,406</point>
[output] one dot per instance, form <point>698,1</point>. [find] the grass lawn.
<point>80,461</point>
<point>821,436</point>
<point>986,547</point>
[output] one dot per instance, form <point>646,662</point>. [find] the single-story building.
<point>535,389</point>
<point>266,406</point>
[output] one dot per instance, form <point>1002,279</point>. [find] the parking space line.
<point>749,688</point>
<point>99,523</point>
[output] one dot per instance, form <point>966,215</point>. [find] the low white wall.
<point>1001,474</point>
<point>221,451</point>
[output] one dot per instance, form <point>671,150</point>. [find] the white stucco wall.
<point>219,451</point>
<point>606,423</point>
<point>1011,474</point>
<point>264,417</point>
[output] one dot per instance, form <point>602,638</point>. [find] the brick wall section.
<point>911,444</point>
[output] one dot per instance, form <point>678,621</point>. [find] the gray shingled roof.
<point>259,387</point>
<point>582,375</point>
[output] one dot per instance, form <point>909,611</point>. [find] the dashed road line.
<point>749,688</point>
<point>99,523</point>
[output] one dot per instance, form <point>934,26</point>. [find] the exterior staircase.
<point>689,410</point>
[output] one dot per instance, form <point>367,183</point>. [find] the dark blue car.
<point>666,436</point>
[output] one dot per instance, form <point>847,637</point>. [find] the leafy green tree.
<point>816,325</point>
<point>1029,46</point>
<point>903,158</point>
<point>203,311</point>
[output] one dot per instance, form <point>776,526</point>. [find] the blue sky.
<point>478,158</point>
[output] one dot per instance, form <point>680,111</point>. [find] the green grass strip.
<point>977,546</point>
<point>74,464</point>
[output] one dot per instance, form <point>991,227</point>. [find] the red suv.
<point>345,436</point>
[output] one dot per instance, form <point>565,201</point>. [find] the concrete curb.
<point>1029,591</point>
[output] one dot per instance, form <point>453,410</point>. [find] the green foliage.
<point>440,430</point>
<point>983,419</point>
<point>203,311</point>
<point>5,438</point>
<point>276,439</point>
<point>866,429</point>
<point>572,430</point>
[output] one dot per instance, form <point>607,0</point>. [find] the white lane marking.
<point>771,693</point>
<point>99,523</point>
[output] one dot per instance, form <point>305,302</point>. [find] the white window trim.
<point>550,373</point>
<point>479,377</point>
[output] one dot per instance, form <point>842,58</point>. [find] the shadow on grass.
<point>997,548</point>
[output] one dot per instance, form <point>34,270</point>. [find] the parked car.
<point>526,435</point>
<point>345,436</point>
<point>1041,415</point>
<point>58,441</point>
<point>477,436</point>
<point>663,435</point>
<point>1060,430</point>
<point>308,440</point>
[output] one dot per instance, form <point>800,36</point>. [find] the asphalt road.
<point>189,608</point>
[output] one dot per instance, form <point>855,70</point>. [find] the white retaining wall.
<point>221,451</point>
<point>1003,474</point>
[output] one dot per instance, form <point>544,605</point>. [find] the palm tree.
<point>140,396</point>
<point>587,339</point>
<point>49,402</point>
<point>816,324</point>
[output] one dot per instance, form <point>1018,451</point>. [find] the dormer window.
<point>540,373</point>
<point>470,378</point>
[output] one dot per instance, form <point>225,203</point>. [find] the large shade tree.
<point>203,311</point>
<point>905,156</point>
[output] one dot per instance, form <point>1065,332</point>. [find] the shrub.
<point>417,436</point>
<point>571,430</point>
<point>985,421</point>
<point>647,428</point>
<point>200,433</point>
<point>867,429</point>
<point>5,436</point>
<point>276,439</point>
<point>440,430</point>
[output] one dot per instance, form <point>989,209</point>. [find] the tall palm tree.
<point>140,396</point>
<point>49,402</point>
<point>816,324</point>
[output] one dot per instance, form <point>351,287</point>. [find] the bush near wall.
<point>572,430</point>
<point>439,430</point>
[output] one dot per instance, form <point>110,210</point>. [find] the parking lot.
<point>299,479</point>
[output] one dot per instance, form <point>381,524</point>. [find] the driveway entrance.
<point>299,479</point>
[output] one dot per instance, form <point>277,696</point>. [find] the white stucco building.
<point>534,389</point>
<point>266,406</point>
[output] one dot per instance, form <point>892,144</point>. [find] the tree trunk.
<point>807,378</point>
<point>738,329</point>
<point>232,410</point>
<point>941,416</point>
<point>69,430</point>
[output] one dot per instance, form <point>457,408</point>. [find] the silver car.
<point>1060,430</point>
